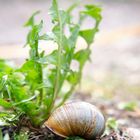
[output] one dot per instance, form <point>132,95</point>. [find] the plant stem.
<point>56,88</point>
<point>42,89</point>
<point>41,73</point>
<point>66,96</point>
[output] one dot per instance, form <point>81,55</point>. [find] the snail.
<point>76,119</point>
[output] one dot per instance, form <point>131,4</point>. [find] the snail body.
<point>77,119</point>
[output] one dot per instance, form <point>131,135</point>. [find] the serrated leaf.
<point>49,59</point>
<point>94,12</point>
<point>88,35</point>
<point>53,60</point>
<point>82,56</point>
<point>54,11</point>
<point>31,21</point>
<point>58,15</point>
<point>30,69</point>
<point>74,35</point>
<point>33,35</point>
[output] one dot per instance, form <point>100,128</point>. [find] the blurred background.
<point>114,72</point>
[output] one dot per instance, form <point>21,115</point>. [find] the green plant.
<point>129,106</point>
<point>1,137</point>
<point>112,123</point>
<point>21,136</point>
<point>74,138</point>
<point>34,88</point>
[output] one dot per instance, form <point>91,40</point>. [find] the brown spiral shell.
<point>77,119</point>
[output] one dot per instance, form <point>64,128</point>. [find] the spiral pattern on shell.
<point>77,119</point>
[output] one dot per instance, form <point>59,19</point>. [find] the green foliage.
<point>74,138</point>
<point>21,136</point>
<point>33,88</point>
<point>130,106</point>
<point>4,67</point>
<point>1,137</point>
<point>112,123</point>
<point>93,12</point>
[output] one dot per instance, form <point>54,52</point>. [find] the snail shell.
<point>77,119</point>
